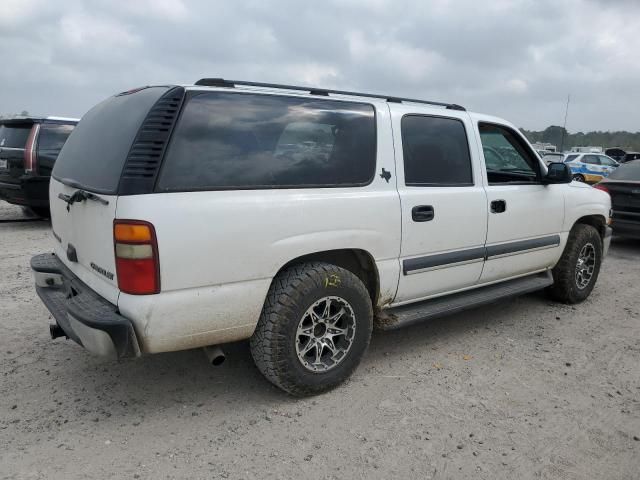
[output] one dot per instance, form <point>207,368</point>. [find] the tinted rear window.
<point>236,140</point>
<point>627,171</point>
<point>52,137</point>
<point>436,151</point>
<point>93,156</point>
<point>14,136</point>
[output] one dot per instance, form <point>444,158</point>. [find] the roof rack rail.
<point>221,82</point>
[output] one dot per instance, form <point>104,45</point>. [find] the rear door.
<point>444,205</point>
<point>92,160</point>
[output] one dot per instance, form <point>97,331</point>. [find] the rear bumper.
<point>626,227</point>
<point>606,241</point>
<point>27,191</point>
<point>84,316</point>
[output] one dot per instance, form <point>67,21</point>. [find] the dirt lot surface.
<point>523,389</point>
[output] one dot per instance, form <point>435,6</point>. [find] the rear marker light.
<point>137,263</point>
<point>30,155</point>
<point>601,187</point>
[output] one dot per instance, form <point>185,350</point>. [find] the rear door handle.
<point>498,206</point>
<point>422,213</point>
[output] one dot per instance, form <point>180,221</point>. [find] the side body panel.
<point>219,250</point>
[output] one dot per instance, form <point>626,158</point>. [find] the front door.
<point>525,216</point>
<point>444,205</point>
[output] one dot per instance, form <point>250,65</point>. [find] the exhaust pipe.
<point>215,355</point>
<point>56,331</point>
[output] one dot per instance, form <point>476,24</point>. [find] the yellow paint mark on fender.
<point>332,281</point>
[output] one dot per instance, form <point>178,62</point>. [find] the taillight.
<point>30,154</point>
<point>137,263</point>
<point>601,187</point>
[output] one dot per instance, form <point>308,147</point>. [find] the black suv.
<point>29,147</point>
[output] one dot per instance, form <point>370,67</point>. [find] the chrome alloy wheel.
<point>325,334</point>
<point>585,266</point>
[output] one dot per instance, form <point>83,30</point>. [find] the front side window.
<point>609,162</point>
<point>236,140</point>
<point>436,152</point>
<point>506,158</point>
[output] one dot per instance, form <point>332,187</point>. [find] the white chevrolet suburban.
<point>299,218</point>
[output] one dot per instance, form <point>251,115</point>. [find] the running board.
<point>411,314</point>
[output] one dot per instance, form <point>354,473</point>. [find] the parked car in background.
<point>623,185</point>
<point>590,167</point>
<point>549,157</point>
<point>29,146</point>
<point>616,153</point>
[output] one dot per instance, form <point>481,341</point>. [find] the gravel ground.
<point>523,389</point>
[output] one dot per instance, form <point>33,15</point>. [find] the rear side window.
<point>436,152</point>
<point>591,159</point>
<point>52,137</point>
<point>236,140</point>
<point>96,151</point>
<point>14,136</point>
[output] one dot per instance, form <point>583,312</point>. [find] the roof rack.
<point>221,82</point>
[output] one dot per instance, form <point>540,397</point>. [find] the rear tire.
<point>314,328</point>
<point>576,273</point>
<point>42,212</point>
<point>578,178</point>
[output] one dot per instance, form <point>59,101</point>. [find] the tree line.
<point>628,141</point>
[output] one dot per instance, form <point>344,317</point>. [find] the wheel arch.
<point>357,261</point>
<point>599,222</point>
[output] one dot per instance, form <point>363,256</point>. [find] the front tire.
<point>314,328</point>
<point>576,273</point>
<point>579,178</point>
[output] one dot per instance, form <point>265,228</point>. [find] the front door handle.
<point>422,213</point>
<point>498,206</point>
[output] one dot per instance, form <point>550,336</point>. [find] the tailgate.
<point>13,139</point>
<point>86,230</point>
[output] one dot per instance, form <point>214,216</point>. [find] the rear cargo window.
<point>95,153</point>
<point>14,136</point>
<point>52,137</point>
<point>236,140</point>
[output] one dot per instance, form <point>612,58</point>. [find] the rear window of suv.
<point>239,140</point>
<point>94,154</point>
<point>14,136</point>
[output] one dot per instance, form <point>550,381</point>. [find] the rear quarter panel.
<point>219,250</point>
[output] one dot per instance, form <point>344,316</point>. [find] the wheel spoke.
<point>307,331</point>
<point>336,331</point>
<point>310,344</point>
<point>319,348</point>
<point>328,342</point>
<point>332,320</point>
<point>327,309</point>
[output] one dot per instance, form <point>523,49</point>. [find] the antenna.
<point>564,127</point>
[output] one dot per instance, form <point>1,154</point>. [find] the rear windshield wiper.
<point>81,196</point>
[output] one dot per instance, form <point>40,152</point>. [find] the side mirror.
<point>558,172</point>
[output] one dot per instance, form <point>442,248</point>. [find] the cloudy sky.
<point>515,59</point>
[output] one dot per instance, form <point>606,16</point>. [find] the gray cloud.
<point>515,59</point>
